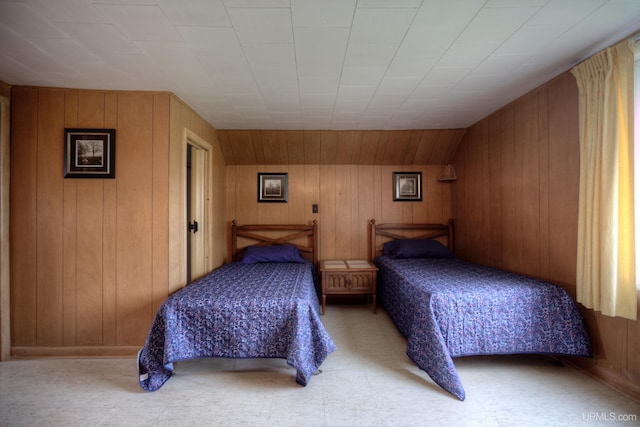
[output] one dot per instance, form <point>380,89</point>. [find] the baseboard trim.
<point>74,351</point>
<point>626,388</point>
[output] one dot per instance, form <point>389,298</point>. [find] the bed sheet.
<point>261,310</point>
<point>448,308</point>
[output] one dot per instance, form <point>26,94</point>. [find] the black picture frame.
<point>407,186</point>
<point>273,187</point>
<point>89,153</point>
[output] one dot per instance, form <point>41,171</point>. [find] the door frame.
<point>5,189</point>
<point>191,138</point>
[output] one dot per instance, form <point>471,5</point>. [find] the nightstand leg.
<point>375,309</point>
<point>324,301</point>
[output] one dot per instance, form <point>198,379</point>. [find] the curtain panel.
<point>606,274</point>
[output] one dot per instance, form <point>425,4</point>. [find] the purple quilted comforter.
<point>262,310</point>
<point>448,308</point>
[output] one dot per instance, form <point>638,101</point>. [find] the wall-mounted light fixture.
<point>447,173</point>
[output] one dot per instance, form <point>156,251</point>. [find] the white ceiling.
<point>311,64</point>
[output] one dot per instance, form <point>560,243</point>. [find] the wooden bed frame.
<point>381,233</point>
<point>303,237</point>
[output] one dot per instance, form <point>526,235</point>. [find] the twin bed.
<point>447,307</point>
<point>264,304</point>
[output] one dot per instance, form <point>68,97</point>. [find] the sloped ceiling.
<point>408,147</point>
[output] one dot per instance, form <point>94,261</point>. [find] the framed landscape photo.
<point>89,153</point>
<point>273,187</point>
<point>407,186</point>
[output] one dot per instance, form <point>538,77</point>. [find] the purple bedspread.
<point>262,310</point>
<point>448,308</point>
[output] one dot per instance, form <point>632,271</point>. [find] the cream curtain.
<point>606,275</point>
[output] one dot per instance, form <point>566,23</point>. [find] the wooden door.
<point>197,223</point>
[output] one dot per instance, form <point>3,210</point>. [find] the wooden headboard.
<point>304,237</point>
<point>381,233</point>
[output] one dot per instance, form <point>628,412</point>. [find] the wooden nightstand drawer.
<point>349,282</point>
<point>348,277</point>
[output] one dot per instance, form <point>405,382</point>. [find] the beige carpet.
<point>368,381</point>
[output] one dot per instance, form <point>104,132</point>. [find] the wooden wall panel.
<point>24,146</point>
<point>89,262</point>
<point>511,204</point>
<point>219,225</point>
<point>564,175</point>
<point>492,214</point>
<point>632,366</point>
<point>329,212</point>
<point>394,145</point>
<point>160,203</point>
<point>364,209</point>
<point>368,147</point>
<point>49,212</point>
<point>5,248</point>
<point>89,207</point>
<point>526,120</point>
<point>295,150</point>
<point>70,232</point>
<point>91,256</point>
<point>109,233</point>
<point>529,184</point>
<point>5,89</point>
<point>311,192</point>
<point>475,196</point>
<point>312,144</point>
<point>109,262</point>
<point>328,148</point>
<point>545,184</point>
<point>344,148</point>
<point>348,197</point>
<point>134,213</point>
<point>392,212</point>
<point>297,205</point>
<point>401,147</point>
<point>344,204</point>
<point>70,254</point>
<point>246,189</point>
<point>177,187</point>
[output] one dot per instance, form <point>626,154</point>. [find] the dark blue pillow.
<point>417,248</point>
<point>389,248</point>
<point>273,253</point>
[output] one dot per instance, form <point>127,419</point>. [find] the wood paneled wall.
<point>5,89</point>
<point>91,257</point>
<point>348,196</point>
<point>516,208</point>
<point>5,250</point>
<point>349,147</point>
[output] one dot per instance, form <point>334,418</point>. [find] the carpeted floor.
<point>368,381</point>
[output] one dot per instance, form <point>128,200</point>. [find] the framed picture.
<point>89,153</point>
<point>273,187</point>
<point>407,186</point>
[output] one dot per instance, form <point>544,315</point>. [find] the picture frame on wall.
<point>273,187</point>
<point>407,186</point>
<point>89,153</point>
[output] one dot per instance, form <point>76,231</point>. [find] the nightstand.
<point>346,277</point>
